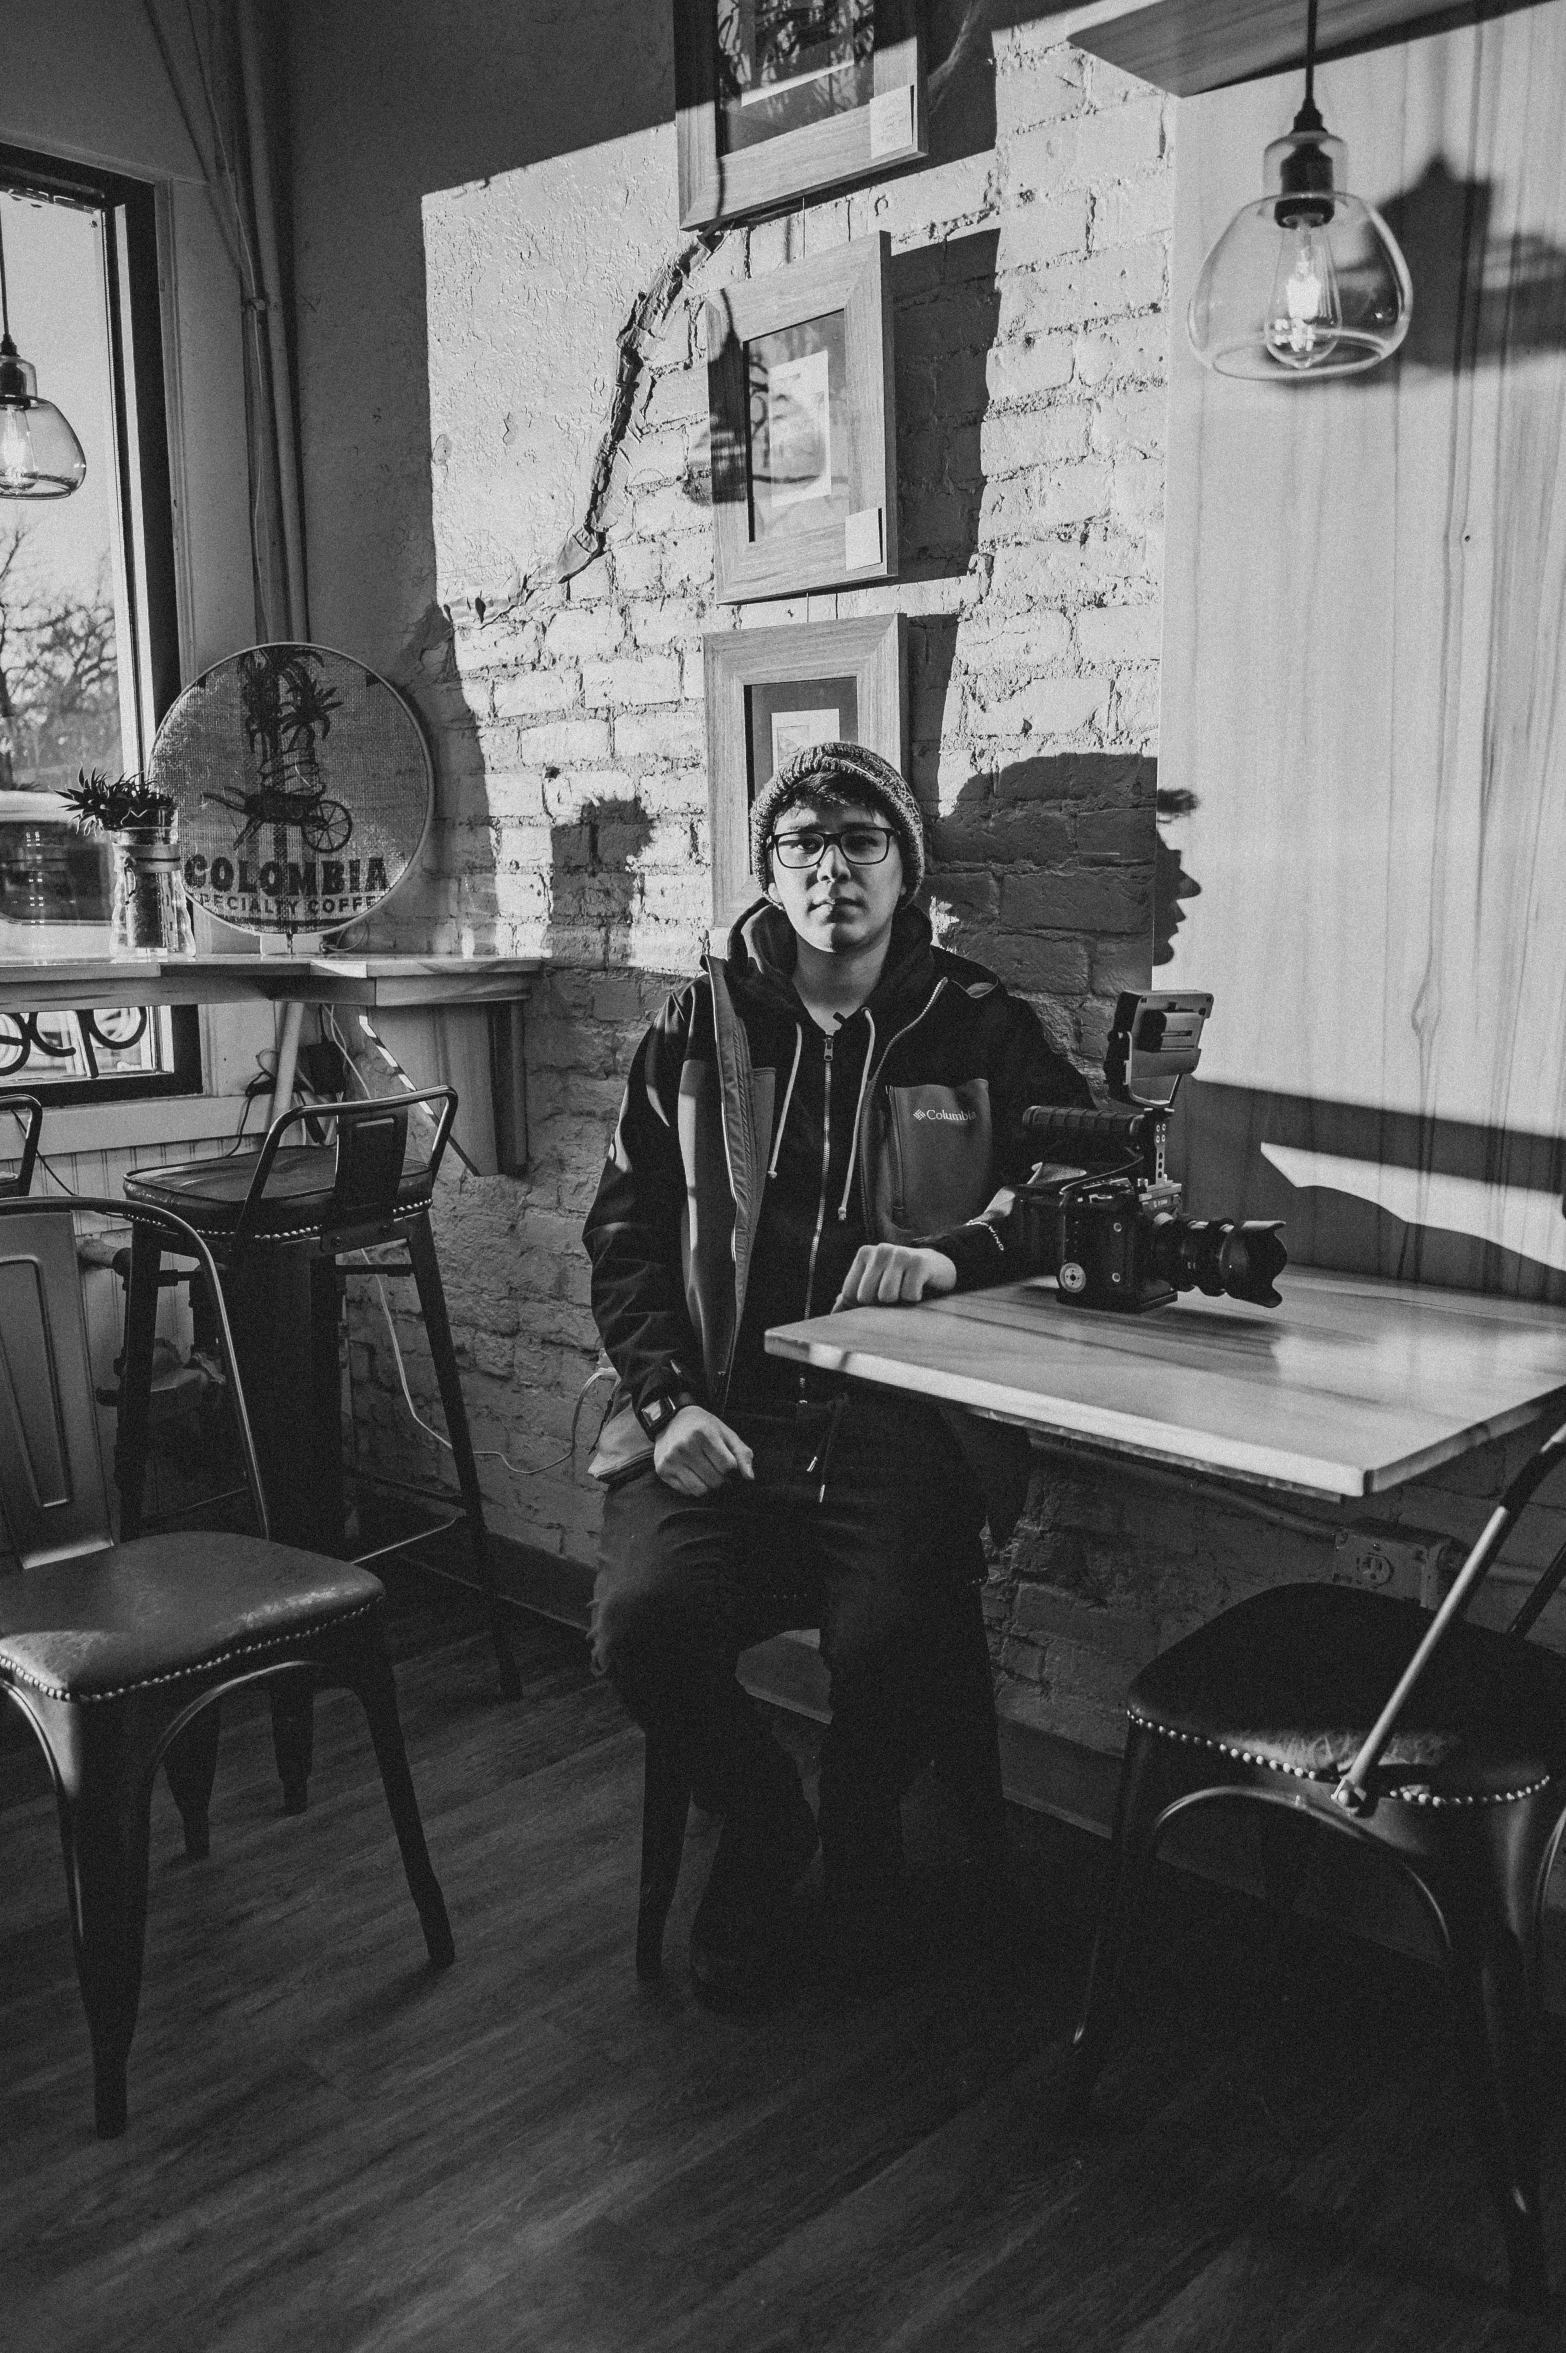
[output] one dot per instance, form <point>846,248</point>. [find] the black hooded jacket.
<point>754,1154</point>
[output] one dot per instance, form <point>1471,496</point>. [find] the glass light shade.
<point>1309,281</point>
<point>40,457</point>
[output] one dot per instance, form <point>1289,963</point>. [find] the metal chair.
<point>115,1653</point>
<point>305,1206</point>
<point>28,1112</point>
<point>965,1751</point>
<point>1439,1743</point>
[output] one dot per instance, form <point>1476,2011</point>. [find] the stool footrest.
<point>362,1560</point>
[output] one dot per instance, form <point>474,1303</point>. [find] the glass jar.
<point>150,915</point>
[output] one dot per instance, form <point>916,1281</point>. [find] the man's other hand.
<point>697,1452</point>
<point>885,1272</point>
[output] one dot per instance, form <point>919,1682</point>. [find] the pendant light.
<point>40,457</point>
<point>1310,281</point>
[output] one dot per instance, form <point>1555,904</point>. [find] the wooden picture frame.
<point>758,681</point>
<point>878,123</point>
<point>804,426</point>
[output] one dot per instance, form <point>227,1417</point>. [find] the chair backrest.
<point>51,1469</point>
<point>1352,1791</point>
<point>52,1488</point>
<point>27,1111</point>
<point>371,1149</point>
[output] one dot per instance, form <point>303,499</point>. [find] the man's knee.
<point>634,1624</point>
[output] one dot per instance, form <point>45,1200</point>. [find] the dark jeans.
<point>883,1563</point>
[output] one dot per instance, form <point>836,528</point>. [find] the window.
<point>88,653</point>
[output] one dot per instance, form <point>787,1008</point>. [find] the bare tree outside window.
<point>64,610</point>
<point>59,672</point>
<point>75,661</point>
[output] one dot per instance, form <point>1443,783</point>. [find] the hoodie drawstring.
<point>788,1097</point>
<point>859,1108</point>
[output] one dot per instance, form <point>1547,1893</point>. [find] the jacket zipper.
<point>874,1080</point>
<point>826,1158</point>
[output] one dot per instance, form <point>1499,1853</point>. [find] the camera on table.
<point>1106,1222</point>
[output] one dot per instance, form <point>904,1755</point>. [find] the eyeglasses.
<point>861,845</point>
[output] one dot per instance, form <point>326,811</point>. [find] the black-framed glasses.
<point>861,845</point>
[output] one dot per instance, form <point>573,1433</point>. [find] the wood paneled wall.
<point>1364,692</point>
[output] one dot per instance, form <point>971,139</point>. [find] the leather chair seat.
<point>167,1606</point>
<point>209,1194</point>
<point>1294,1678</point>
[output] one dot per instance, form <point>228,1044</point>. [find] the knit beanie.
<point>853,768</point>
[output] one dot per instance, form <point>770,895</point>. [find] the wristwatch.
<point>657,1412</point>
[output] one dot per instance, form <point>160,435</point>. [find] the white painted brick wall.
<point>1032,324</point>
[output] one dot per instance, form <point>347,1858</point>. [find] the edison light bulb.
<point>1307,282</point>
<point>16,449</point>
<point>1305,313</point>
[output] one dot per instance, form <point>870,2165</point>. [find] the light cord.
<point>518,1470</point>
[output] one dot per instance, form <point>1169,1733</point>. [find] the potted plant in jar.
<point>149,915</point>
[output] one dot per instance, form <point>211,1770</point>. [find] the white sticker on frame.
<point>862,539</point>
<point>892,122</point>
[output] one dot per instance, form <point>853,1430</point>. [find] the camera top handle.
<point>1134,1137</point>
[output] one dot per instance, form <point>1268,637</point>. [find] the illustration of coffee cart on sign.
<point>287,712</point>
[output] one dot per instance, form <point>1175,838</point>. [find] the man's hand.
<point>697,1452</point>
<point>885,1272</point>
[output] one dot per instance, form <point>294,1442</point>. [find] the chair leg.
<point>366,1671</point>
<point>190,1764</point>
<point>105,1818</point>
<point>967,1756</point>
<point>1285,1848</point>
<point>1144,1792</point>
<point>666,1801</point>
<point>432,1302</point>
<point>293,1737</point>
<point>1495,2028</point>
<point>131,1422</point>
<point>323,1471</point>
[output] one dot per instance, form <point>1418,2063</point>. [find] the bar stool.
<point>27,1111</point>
<point>277,1221</point>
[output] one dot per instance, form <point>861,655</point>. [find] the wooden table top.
<point>217,980</point>
<point>1350,1387</point>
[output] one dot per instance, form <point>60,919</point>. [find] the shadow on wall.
<point>454,889</point>
<point>1478,297</point>
<point>1045,871</point>
<point>1171,883</point>
<point>595,885</point>
<point>947,313</point>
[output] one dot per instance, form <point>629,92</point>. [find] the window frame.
<point>134,313</point>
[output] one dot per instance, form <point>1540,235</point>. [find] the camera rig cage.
<point>1108,1225</point>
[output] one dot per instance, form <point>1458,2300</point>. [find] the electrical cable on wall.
<point>480,1453</point>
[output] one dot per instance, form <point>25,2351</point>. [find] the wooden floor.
<point>330,2149</point>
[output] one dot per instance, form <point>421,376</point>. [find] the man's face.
<point>835,905</point>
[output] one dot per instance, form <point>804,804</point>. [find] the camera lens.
<point>1220,1257</point>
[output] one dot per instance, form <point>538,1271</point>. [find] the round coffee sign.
<point>303,785</point>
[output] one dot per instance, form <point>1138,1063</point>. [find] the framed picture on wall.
<point>804,430</point>
<point>777,99</point>
<point>773,692</point>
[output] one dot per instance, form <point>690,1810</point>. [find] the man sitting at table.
<point>822,1120</point>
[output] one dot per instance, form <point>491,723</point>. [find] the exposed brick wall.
<point>1029,284</point>
<point>1108,1567</point>
<point>1032,323</point>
